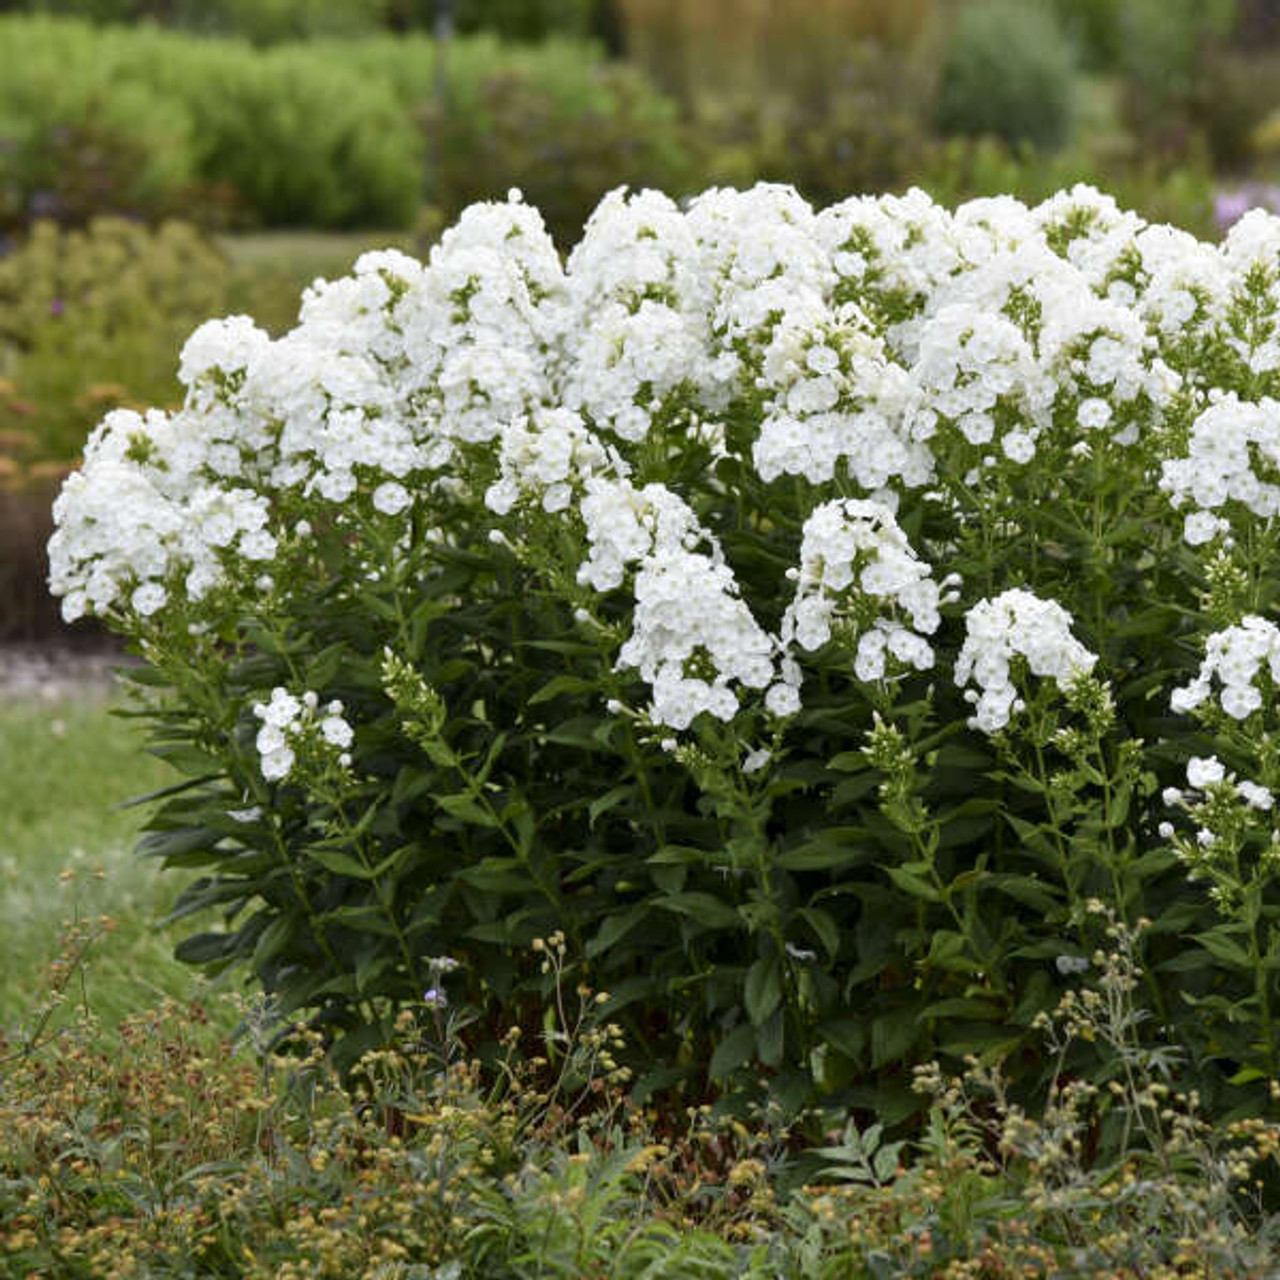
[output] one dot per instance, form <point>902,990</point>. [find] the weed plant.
<point>160,1150</point>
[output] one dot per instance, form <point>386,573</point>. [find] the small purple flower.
<point>56,307</point>
<point>435,999</point>
<point>1230,206</point>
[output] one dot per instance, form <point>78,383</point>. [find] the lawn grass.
<point>66,854</point>
<point>270,269</point>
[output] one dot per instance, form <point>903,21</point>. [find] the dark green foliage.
<point>522,19</point>
<point>1009,71</point>
<point>563,139</point>
<point>867,908</point>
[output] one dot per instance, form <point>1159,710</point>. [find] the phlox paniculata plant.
<point>805,612</point>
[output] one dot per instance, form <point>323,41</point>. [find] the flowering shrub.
<point>807,614</point>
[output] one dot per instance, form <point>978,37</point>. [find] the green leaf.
<point>163,793</point>
<point>849,762</point>
<point>1219,945</point>
<point>910,880</point>
<point>964,1007</point>
<point>498,875</point>
<point>559,685</point>
<point>206,948</point>
<point>341,863</point>
<point>823,926</point>
<point>274,939</point>
<point>733,1051</point>
<point>771,1040</point>
<point>188,759</point>
<point>1247,1075</point>
<point>702,907</point>
<point>892,1035</point>
<point>466,808</point>
<point>834,847</point>
<point>762,993</point>
<point>611,799</point>
<point>169,844</point>
<point>615,927</point>
<point>848,1035</point>
<point>1033,893</point>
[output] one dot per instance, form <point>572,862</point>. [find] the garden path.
<point>53,672</point>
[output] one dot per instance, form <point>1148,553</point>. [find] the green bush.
<point>260,21</point>
<point>505,598</point>
<point>1233,94</point>
<point>1095,27</point>
<point>1178,191</point>
<point>564,140</point>
<point>71,126</point>
<point>91,318</point>
<point>554,120</point>
<point>1009,72</point>
<point>863,135</point>
<point>544,1166</point>
<point>266,22</point>
<point>299,136</point>
<point>519,19</point>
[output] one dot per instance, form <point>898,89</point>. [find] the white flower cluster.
<point>881,350</point>
<point>692,633</point>
<point>1227,440</point>
<point>139,517</point>
<point>1235,656</point>
<point>856,547</point>
<point>290,724</point>
<point>548,460</point>
<point>976,370</point>
<point>835,396</point>
<point>1016,624</point>
<point>1203,775</point>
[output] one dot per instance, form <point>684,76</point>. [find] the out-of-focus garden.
<point>162,161</point>
<point>167,161</point>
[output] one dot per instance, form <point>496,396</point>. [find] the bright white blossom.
<point>290,724</point>
<point>881,351</point>
<point>852,553</point>
<point>1203,773</point>
<point>1015,625</point>
<point>1236,657</point>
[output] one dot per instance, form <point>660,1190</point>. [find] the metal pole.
<point>443,34</point>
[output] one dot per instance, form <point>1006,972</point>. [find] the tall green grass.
<point>66,855</point>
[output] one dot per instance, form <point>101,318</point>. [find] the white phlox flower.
<point>854,553</point>
<point>974,370</point>
<point>1220,465</point>
<point>1234,656</point>
<point>548,460</point>
<point>1015,624</point>
<point>291,724</point>
<point>835,396</point>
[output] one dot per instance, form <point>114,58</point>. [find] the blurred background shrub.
<point>356,117</point>
<point>94,318</point>
<point>562,139</point>
<point>1009,72</point>
<point>289,135</point>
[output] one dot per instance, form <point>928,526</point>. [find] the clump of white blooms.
<point>1235,656</point>
<point>1016,624</point>
<point>291,725</point>
<point>879,356</point>
<point>853,552</point>
<point>548,460</point>
<point>978,373</point>
<point>1228,442</point>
